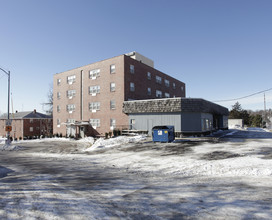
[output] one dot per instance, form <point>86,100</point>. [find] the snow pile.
<point>87,140</point>
<point>2,140</point>
<point>102,143</point>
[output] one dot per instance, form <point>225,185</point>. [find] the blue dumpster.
<point>163,133</point>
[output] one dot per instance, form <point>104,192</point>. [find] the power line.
<point>229,100</point>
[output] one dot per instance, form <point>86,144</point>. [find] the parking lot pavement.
<point>195,178</point>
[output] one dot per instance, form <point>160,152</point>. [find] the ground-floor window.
<point>95,122</point>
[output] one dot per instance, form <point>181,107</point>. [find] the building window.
<point>112,87</point>
<point>58,108</point>
<point>71,121</point>
<point>95,122</point>
<point>149,75</point>
<point>31,120</point>
<point>132,70</point>
<point>94,106</point>
<point>174,85</point>
<point>112,104</point>
<point>112,123</point>
<point>158,79</point>
<point>31,129</point>
<point>58,123</point>
<point>94,73</point>
<point>71,79</point>
<point>166,95</point>
<point>58,95</point>
<point>94,89</point>
<point>148,91</point>
<point>132,87</point>
<point>158,94</point>
<point>167,83</point>
<point>58,81</point>
<point>182,88</point>
<point>70,108</point>
<point>71,93</point>
<point>112,68</point>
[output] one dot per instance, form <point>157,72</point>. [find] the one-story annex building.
<point>188,115</point>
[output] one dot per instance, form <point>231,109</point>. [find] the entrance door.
<point>82,131</point>
<point>70,131</point>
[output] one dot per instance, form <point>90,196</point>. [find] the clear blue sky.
<point>221,49</point>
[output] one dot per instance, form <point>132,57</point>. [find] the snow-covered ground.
<point>225,176</point>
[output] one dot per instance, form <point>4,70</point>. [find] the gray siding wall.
<point>147,121</point>
<point>190,122</point>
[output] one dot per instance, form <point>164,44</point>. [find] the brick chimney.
<point>34,111</point>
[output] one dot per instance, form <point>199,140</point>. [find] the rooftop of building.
<point>133,55</point>
<point>177,104</point>
<point>26,115</point>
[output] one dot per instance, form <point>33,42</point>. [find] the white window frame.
<point>174,85</point>
<point>112,87</point>
<point>158,94</point>
<point>95,122</point>
<point>31,129</point>
<point>71,79</point>
<point>70,121</point>
<point>58,82</point>
<point>112,68</point>
<point>93,74</point>
<point>158,79</point>
<point>148,75</point>
<point>148,91</point>
<point>132,87</point>
<point>58,95</point>
<point>131,69</point>
<point>70,108</point>
<point>71,93</point>
<point>112,123</point>
<point>94,106</point>
<point>166,82</point>
<point>94,90</point>
<point>58,108</point>
<point>166,95</point>
<point>112,104</point>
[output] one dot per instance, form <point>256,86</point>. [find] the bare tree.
<point>48,106</point>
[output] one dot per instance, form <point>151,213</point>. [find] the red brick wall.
<point>40,127</point>
<point>104,97</point>
<point>121,78</point>
<point>142,82</point>
<point>21,127</point>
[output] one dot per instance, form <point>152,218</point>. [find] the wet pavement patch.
<point>177,149</point>
<point>4,171</point>
<point>219,155</point>
<point>266,152</point>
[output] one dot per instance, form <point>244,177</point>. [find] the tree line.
<point>251,118</point>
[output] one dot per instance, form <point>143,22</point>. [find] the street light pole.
<point>8,121</point>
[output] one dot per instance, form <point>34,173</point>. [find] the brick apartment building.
<point>25,124</point>
<point>94,94</point>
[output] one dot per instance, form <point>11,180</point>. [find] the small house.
<point>27,124</point>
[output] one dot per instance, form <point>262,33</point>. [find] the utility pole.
<point>8,122</point>
<point>264,116</point>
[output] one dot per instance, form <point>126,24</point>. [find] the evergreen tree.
<point>238,112</point>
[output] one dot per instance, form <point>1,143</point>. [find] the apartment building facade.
<point>27,124</point>
<point>89,100</point>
